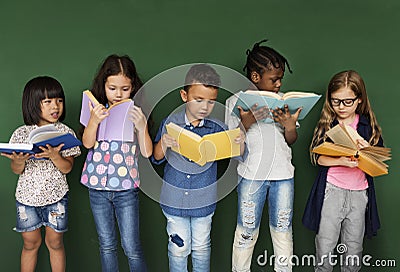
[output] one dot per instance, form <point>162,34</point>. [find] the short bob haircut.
<point>35,91</point>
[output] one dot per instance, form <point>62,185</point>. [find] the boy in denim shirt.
<point>189,192</point>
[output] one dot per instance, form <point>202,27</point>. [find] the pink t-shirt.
<point>346,177</point>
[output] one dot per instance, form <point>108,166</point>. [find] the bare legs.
<point>32,242</point>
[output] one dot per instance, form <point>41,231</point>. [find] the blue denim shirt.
<point>188,188</point>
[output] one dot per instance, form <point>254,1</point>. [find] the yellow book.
<point>370,159</point>
<point>210,147</point>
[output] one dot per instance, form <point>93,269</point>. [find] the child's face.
<point>117,88</point>
<point>270,80</point>
<point>344,102</point>
<point>200,101</point>
<point>52,109</point>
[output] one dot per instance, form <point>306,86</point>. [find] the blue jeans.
<point>122,207</point>
<point>53,215</point>
<point>251,199</point>
<point>189,235</point>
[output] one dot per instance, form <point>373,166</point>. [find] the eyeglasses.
<point>348,102</point>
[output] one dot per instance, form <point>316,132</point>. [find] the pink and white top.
<point>346,177</point>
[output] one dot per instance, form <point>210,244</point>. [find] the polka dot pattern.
<point>111,166</point>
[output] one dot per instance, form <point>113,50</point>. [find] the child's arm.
<point>97,114</point>
<point>337,161</point>
<point>161,147</point>
<point>145,143</point>
<point>64,164</point>
<point>241,140</point>
<point>17,161</point>
<point>288,121</point>
<point>342,161</point>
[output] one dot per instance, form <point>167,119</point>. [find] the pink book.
<point>116,126</point>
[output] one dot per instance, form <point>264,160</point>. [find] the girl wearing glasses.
<point>342,201</point>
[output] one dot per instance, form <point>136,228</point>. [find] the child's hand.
<point>49,152</point>
<point>17,158</point>
<point>17,161</point>
<point>283,116</point>
<point>361,143</point>
<point>168,141</point>
<point>97,113</point>
<point>348,161</point>
<point>252,115</point>
<point>240,139</point>
<point>138,118</point>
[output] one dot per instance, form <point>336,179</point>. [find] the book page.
<point>40,137</point>
<point>297,94</point>
<point>305,102</point>
<point>175,130</point>
<point>335,150</point>
<point>14,147</point>
<point>353,133</point>
<point>67,139</point>
<point>210,147</point>
<point>339,135</point>
<point>188,142</point>
<point>43,130</point>
<point>264,93</point>
<point>248,100</point>
<point>118,103</point>
<point>371,166</point>
<point>379,153</point>
<point>221,145</point>
<point>91,97</point>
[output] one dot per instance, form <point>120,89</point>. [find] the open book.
<point>370,159</point>
<point>116,126</point>
<point>42,136</point>
<point>210,147</point>
<point>294,100</point>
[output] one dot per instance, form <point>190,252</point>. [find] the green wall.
<point>69,39</point>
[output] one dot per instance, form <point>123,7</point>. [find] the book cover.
<point>42,136</point>
<point>370,159</point>
<point>17,148</point>
<point>116,126</point>
<point>210,147</point>
<point>294,100</point>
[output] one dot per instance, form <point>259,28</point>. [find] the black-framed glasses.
<point>348,102</point>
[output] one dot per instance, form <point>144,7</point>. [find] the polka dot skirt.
<point>111,166</point>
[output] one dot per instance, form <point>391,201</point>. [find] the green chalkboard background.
<point>69,39</point>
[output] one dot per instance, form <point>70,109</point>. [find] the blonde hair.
<point>346,79</point>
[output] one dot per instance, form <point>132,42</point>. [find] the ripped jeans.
<point>53,215</point>
<point>189,235</point>
<point>252,195</point>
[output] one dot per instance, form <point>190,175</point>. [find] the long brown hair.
<point>352,80</point>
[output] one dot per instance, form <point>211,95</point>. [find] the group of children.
<point>189,193</point>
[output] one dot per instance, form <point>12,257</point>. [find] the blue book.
<point>294,100</point>
<point>42,136</point>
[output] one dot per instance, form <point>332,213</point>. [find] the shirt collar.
<point>181,119</point>
<point>187,122</point>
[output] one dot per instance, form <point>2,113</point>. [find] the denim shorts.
<point>53,215</point>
